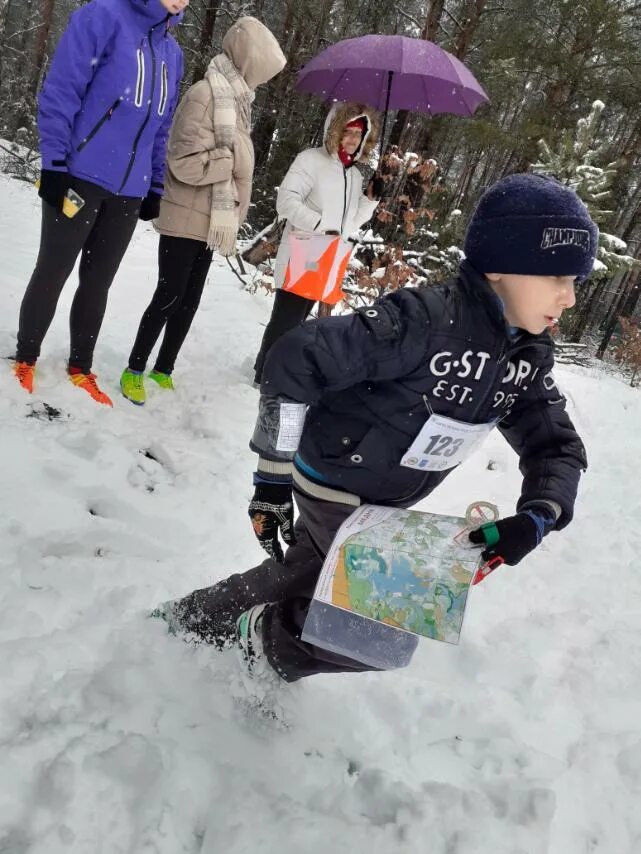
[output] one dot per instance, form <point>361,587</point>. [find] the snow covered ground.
<point>117,739</point>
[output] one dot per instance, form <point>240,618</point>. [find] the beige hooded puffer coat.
<point>194,161</point>
<point>318,193</point>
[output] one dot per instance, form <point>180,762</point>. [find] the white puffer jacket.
<point>319,194</point>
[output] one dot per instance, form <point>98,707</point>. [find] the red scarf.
<point>346,159</point>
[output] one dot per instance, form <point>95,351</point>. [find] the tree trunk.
<point>619,286</point>
<point>585,311</point>
<point>264,132</point>
<point>433,20</point>
<point>4,6</point>
<point>206,37</point>
<point>398,127</point>
<point>40,49</point>
<point>633,298</point>
<point>472,162</point>
<point>325,7</point>
<point>473,17</point>
<point>429,33</point>
<point>615,314</point>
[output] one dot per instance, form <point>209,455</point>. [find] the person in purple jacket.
<point>104,116</point>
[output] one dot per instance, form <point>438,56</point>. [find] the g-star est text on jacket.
<point>371,380</point>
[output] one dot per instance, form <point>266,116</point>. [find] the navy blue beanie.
<point>531,225</point>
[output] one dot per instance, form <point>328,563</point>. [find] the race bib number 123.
<point>443,443</point>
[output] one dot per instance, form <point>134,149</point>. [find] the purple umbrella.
<point>393,72</point>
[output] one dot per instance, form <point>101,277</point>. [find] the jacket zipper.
<point>147,117</point>
<point>491,391</point>
<point>99,124</point>
<point>163,88</point>
<point>344,199</point>
<point>140,80</point>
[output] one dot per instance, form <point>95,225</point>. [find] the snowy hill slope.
<point>117,739</point>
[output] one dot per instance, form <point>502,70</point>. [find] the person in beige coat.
<point>210,162</point>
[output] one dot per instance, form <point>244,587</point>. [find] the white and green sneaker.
<point>263,686</point>
<point>163,380</point>
<point>249,639</point>
<point>132,386</point>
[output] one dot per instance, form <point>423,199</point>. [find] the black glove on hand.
<point>513,538</point>
<point>53,186</point>
<point>376,186</point>
<point>150,207</point>
<point>271,508</point>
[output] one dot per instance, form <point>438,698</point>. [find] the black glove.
<point>377,187</point>
<point>271,508</point>
<point>53,186</point>
<point>513,538</point>
<point>150,207</point>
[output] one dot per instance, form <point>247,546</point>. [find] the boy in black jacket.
<point>344,402</point>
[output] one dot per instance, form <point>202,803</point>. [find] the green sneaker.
<point>132,386</point>
<point>250,644</point>
<point>164,380</point>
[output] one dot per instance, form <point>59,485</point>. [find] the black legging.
<point>102,231</point>
<point>289,310</point>
<point>183,265</point>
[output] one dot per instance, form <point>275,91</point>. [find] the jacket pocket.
<point>373,453</point>
<point>94,130</point>
<point>140,79</point>
<point>163,89</point>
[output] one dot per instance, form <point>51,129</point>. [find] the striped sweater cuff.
<point>273,470</point>
<point>555,509</point>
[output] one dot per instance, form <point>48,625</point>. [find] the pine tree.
<point>581,161</point>
<point>628,350</point>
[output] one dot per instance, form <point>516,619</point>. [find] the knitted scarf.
<point>232,106</point>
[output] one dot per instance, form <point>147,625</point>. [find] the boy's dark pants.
<point>289,588</point>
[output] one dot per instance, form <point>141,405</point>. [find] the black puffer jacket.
<point>370,379</point>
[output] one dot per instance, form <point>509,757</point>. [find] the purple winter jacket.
<point>106,105</point>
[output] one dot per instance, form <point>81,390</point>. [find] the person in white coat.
<point>322,192</point>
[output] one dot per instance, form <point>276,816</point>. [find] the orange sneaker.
<point>89,384</point>
<point>25,374</point>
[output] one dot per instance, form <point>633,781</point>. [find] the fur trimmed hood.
<point>339,115</point>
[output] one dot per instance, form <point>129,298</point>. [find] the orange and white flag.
<point>317,265</point>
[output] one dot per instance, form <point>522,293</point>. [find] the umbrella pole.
<point>390,74</point>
